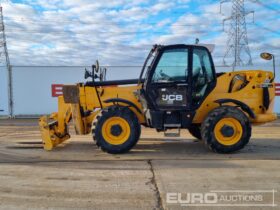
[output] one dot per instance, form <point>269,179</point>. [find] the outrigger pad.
<point>49,137</point>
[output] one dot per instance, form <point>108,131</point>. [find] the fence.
<point>33,93</point>
<point>34,88</point>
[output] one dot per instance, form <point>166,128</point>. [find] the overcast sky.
<point>121,32</point>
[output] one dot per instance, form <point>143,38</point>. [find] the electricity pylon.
<point>4,57</point>
<point>237,42</point>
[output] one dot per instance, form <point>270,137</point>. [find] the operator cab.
<point>177,80</point>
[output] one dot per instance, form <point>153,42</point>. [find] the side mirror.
<point>269,56</point>
<point>266,56</point>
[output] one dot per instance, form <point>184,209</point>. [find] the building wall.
<point>32,86</point>
<point>4,91</point>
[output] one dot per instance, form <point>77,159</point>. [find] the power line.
<point>120,33</point>
<point>75,21</point>
<point>16,24</point>
<point>115,33</point>
<point>267,29</point>
<point>15,30</point>
<point>57,32</point>
<point>265,6</point>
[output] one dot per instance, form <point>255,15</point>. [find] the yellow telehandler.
<point>178,88</point>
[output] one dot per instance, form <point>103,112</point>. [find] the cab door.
<point>203,76</point>
<point>168,82</point>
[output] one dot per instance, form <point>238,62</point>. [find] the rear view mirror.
<point>269,56</point>
<point>266,56</point>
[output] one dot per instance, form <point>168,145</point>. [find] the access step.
<point>172,130</point>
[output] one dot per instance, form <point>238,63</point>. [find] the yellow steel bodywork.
<point>54,129</point>
<point>55,132</point>
<point>89,99</point>
<point>251,95</point>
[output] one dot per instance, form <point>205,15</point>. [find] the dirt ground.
<point>154,175</point>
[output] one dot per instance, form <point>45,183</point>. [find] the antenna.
<point>237,43</point>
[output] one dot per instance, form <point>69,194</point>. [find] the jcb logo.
<point>172,97</point>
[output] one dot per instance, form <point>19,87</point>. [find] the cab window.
<point>172,66</point>
<point>202,74</point>
<point>202,67</point>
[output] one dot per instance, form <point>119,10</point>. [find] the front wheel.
<point>116,129</point>
<point>226,129</point>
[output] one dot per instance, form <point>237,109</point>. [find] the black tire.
<point>195,131</point>
<point>209,125</point>
<point>120,112</point>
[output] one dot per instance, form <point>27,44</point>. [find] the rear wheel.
<point>116,129</point>
<point>194,130</point>
<point>226,129</point>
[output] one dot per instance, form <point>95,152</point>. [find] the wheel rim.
<point>228,131</point>
<point>110,134</point>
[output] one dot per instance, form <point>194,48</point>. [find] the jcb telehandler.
<point>178,88</point>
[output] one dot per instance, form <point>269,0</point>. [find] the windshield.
<point>172,66</point>
<point>147,64</point>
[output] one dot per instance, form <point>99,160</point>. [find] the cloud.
<point>120,32</point>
